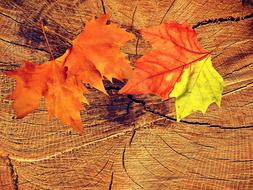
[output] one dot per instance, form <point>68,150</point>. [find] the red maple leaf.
<point>175,47</point>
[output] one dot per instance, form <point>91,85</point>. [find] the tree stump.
<point>130,142</point>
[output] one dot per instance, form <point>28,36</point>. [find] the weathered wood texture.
<point>129,144</point>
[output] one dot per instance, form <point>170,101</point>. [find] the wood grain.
<point>130,142</point>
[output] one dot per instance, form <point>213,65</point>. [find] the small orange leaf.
<point>96,53</point>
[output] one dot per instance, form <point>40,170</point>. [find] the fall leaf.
<point>200,86</point>
<point>64,97</point>
<point>94,55</point>
<point>176,51</point>
<point>175,47</point>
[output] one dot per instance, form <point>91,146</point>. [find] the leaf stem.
<point>44,33</point>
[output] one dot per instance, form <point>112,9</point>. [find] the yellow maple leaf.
<point>200,86</point>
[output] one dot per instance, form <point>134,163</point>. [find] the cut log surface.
<point>130,142</point>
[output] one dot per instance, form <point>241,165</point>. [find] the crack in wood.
<point>103,6</point>
<point>249,160</point>
<point>132,20</point>
<point>128,107</point>
<point>206,124</point>
<point>4,66</point>
<point>171,5</point>
<point>174,150</point>
<point>214,178</point>
<point>23,45</point>
<point>111,181</point>
<point>221,20</point>
<point>232,128</point>
<point>13,173</point>
<point>102,167</point>
<point>125,169</point>
<point>250,84</point>
<point>132,137</point>
<point>154,158</point>
<point>10,17</point>
<point>236,70</point>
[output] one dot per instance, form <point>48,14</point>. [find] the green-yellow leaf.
<point>200,86</point>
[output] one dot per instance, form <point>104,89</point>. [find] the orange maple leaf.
<point>175,47</point>
<point>94,55</point>
<point>95,52</point>
<point>64,97</point>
